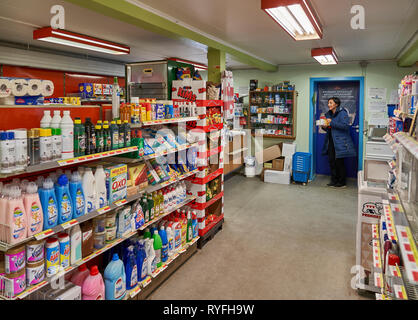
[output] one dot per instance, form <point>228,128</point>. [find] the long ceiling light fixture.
<point>198,66</point>
<point>296,17</point>
<point>325,56</point>
<point>77,40</point>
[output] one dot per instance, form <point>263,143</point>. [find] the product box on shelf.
<point>29,100</point>
<point>116,181</point>
<point>188,89</point>
<point>137,175</point>
<point>86,90</point>
<point>107,89</point>
<point>97,89</point>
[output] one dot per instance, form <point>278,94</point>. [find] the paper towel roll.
<point>47,88</point>
<point>19,87</point>
<point>5,88</point>
<point>34,87</point>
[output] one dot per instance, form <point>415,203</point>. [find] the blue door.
<point>349,94</point>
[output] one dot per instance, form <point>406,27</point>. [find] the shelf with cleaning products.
<point>98,252</point>
<point>60,228</point>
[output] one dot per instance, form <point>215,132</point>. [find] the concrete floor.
<point>278,242</point>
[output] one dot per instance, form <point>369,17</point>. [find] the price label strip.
<point>400,292</point>
<point>409,253</point>
<point>378,280</point>
<point>146,281</point>
<point>375,231</point>
<point>69,224</point>
<point>43,234</point>
<point>103,210</point>
<point>376,254</point>
<point>135,291</point>
<point>120,202</point>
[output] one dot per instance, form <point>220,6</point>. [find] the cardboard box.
<point>116,180</point>
<point>278,164</point>
<point>268,165</point>
<point>269,154</point>
<point>97,89</point>
<point>188,89</point>
<point>86,89</point>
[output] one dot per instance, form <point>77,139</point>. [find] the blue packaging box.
<point>29,100</point>
<point>86,90</point>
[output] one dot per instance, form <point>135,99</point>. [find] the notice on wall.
<point>394,97</point>
<point>378,94</point>
<point>377,106</point>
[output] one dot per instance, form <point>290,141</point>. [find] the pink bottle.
<point>93,287</point>
<point>16,227</point>
<point>81,275</point>
<point>33,208</point>
<point>3,207</point>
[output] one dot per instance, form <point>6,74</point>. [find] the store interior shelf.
<point>209,153</point>
<point>60,228</point>
<point>100,251</point>
<point>204,231</point>
<point>211,127</point>
<point>204,205</point>
<point>67,162</point>
<point>275,136</point>
<point>209,177</point>
<point>409,143</point>
<point>165,121</point>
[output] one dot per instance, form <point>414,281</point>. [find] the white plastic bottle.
<point>56,119</point>
<point>90,190</point>
<point>46,119</point>
<point>170,239</point>
<point>75,244</point>
<point>100,177</point>
<point>21,149</point>
<point>67,133</point>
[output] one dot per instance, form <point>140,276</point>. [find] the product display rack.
<point>257,101</point>
<point>98,252</point>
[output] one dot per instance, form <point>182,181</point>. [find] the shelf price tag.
<point>135,291</point>
<point>146,282</point>
<point>120,202</point>
<point>69,224</point>
<point>103,210</point>
<point>43,234</point>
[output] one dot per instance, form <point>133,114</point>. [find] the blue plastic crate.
<point>300,176</point>
<point>301,162</point>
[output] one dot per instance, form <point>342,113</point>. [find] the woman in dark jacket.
<point>338,144</point>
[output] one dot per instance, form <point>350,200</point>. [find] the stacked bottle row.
<point>27,208</point>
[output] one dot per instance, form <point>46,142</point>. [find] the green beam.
<point>216,64</point>
<point>144,19</point>
<point>410,57</point>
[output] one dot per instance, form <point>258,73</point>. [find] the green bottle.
<point>147,234</point>
<point>150,207</point>
<point>114,133</point>
<point>158,244</point>
<point>144,205</point>
<point>189,236</point>
<point>121,134</point>
<point>127,133</point>
<point>99,138</point>
<point>107,141</point>
<point>77,153</point>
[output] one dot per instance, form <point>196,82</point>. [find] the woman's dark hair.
<point>336,100</point>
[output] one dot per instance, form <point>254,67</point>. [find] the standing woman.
<point>338,144</point>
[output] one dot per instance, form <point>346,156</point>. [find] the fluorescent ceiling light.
<point>198,66</point>
<point>296,17</point>
<point>325,56</point>
<point>71,39</point>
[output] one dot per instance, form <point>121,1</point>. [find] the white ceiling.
<point>241,23</point>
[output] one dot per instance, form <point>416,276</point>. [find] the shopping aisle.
<point>278,242</point>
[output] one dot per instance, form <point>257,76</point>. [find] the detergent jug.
<point>115,279</point>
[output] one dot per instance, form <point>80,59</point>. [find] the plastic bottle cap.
<point>10,135</point>
<point>62,180</point>
<point>99,121</point>
<point>75,177</point>
<point>51,240</point>
<point>162,227</point>
<point>82,268</point>
<point>119,122</point>
<point>113,122</point>
<point>57,112</point>
<point>115,257</point>
<point>94,271</point>
<point>98,127</point>
<point>31,188</point>
<point>66,112</point>
<point>48,184</point>
<point>77,121</point>
<point>155,231</point>
<point>3,135</point>
<point>62,235</point>
<point>88,119</point>
<point>47,112</point>
<point>125,121</point>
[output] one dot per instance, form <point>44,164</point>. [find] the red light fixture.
<point>77,40</point>
<point>198,66</point>
<point>325,56</point>
<point>296,17</point>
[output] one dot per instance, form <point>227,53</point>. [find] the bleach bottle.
<point>49,204</point>
<point>77,195</point>
<point>170,239</point>
<point>149,249</point>
<point>62,192</point>
<point>164,242</point>
<point>100,177</point>
<point>158,248</point>
<point>131,269</point>
<point>141,260</point>
<point>90,191</point>
<point>115,279</point>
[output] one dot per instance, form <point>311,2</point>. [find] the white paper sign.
<point>377,93</point>
<point>394,97</point>
<point>378,122</point>
<point>377,106</point>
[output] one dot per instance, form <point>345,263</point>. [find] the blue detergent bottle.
<point>164,248</point>
<point>141,261</point>
<point>115,279</point>
<point>131,269</point>
<point>49,204</point>
<point>78,200</point>
<point>62,192</point>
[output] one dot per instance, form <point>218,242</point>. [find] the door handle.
<point>355,127</point>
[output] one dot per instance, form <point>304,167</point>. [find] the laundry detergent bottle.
<point>33,208</point>
<point>93,286</point>
<point>49,204</point>
<point>62,192</point>
<point>131,269</point>
<point>164,244</point>
<point>16,225</point>
<point>77,195</point>
<point>141,260</point>
<point>80,275</point>
<point>90,191</point>
<point>115,279</point>
<point>157,247</point>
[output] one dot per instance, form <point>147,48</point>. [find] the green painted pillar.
<point>216,64</point>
